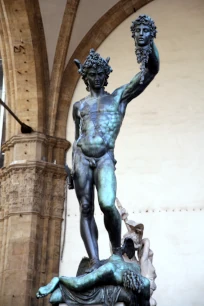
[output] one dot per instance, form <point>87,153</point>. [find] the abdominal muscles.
<point>98,136</point>
<point>92,146</point>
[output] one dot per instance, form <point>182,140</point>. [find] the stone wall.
<point>32,202</point>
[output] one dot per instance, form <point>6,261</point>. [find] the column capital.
<point>24,148</point>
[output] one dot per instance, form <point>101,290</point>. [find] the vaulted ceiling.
<point>87,14</point>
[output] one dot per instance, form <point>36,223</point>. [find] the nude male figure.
<point>98,119</point>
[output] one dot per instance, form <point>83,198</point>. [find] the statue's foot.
<point>95,264</point>
<point>39,294</point>
<point>49,288</point>
<point>93,267</point>
<point>117,251</point>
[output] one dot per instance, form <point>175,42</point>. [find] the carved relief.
<point>33,189</point>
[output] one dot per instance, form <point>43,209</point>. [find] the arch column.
<point>32,198</point>
<point>33,178</point>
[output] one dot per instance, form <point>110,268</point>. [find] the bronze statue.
<point>98,118</point>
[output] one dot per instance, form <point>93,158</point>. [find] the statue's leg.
<point>102,275</point>
<point>56,297</point>
<point>49,288</point>
<point>84,187</point>
<point>105,181</point>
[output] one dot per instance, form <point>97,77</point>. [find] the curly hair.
<point>94,60</point>
<point>133,281</point>
<point>146,20</point>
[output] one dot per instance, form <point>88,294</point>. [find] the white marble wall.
<point>160,152</point>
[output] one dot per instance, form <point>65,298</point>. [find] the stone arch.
<point>25,63</point>
<point>97,34</point>
<point>59,61</point>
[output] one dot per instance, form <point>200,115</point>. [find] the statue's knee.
<point>85,209</point>
<point>107,207</point>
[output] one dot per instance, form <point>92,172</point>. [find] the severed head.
<point>143,32</point>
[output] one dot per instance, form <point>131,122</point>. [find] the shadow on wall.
<point>1,160</point>
<point>2,118</point>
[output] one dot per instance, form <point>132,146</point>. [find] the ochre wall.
<point>159,150</point>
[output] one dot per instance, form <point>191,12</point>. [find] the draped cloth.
<point>106,295</point>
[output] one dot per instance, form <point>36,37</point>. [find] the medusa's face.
<point>142,35</point>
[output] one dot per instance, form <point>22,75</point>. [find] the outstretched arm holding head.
<point>135,88</point>
<point>143,32</point>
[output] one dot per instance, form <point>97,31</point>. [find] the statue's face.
<point>96,78</point>
<point>142,35</point>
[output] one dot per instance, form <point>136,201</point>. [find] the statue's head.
<point>95,70</point>
<point>143,30</point>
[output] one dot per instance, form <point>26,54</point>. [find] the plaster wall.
<point>160,152</point>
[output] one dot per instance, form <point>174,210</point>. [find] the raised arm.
<point>135,88</point>
<point>143,32</point>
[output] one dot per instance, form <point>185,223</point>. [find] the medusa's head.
<point>95,70</point>
<point>143,30</point>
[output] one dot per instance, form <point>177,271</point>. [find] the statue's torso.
<point>100,121</point>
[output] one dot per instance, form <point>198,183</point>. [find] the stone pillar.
<point>31,206</point>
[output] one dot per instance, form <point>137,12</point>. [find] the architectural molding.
<point>22,213</point>
<point>25,148</point>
